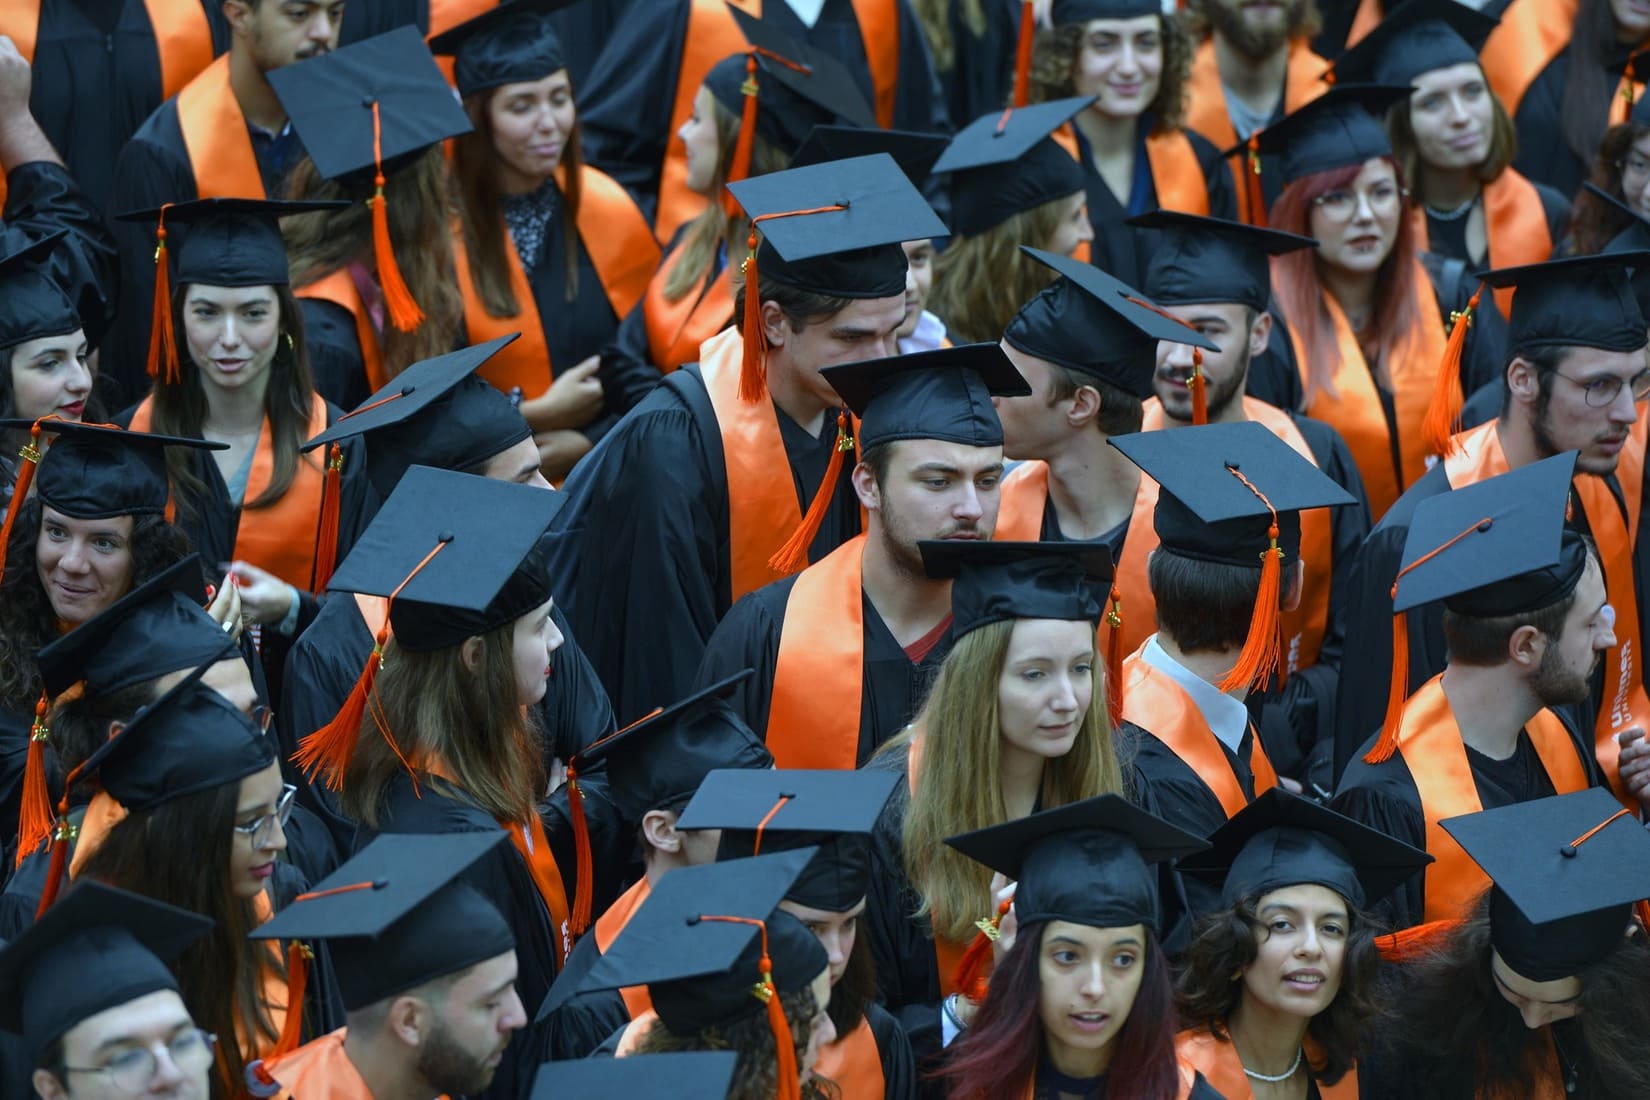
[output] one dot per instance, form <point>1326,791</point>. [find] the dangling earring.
<point>291,347</point>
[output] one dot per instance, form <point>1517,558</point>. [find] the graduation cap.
<point>1497,547</point>
<point>32,305</point>
<point>914,153</point>
<point>374,104</point>
<point>1338,129</point>
<point>97,949</point>
<point>1232,493</point>
<point>1064,12</point>
<point>1566,872</point>
<point>398,914</point>
<point>1007,162</point>
<point>1097,325</point>
<point>768,811</point>
<point>1583,301</point>
<point>1415,37</point>
<point>940,394</point>
<point>689,1075</point>
<point>511,43</point>
<point>1196,261</point>
<point>1634,238</point>
<point>1281,839</point>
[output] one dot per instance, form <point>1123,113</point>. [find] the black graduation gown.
<point>644,569</point>
<point>42,198</point>
<point>1200,1090</point>
<point>323,1000</point>
<point>14,752</point>
<point>893,685</point>
<point>626,107</point>
<point>572,1024</point>
<point>335,359</point>
<point>899,1071</point>
<point>628,372</point>
<point>1449,238</point>
<point>981,76</point>
<point>1544,153</point>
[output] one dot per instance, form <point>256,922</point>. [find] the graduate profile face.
<point>533,640</point>
<point>49,377</point>
<point>1046,686</point>
<point>280,33</point>
<point>83,564</point>
<point>931,490</point>
<point>1036,425</point>
<point>919,282</point>
<point>530,124</point>
<point>471,1028</point>
<point>1635,176</point>
<point>866,328</point>
<point>1088,979</point>
<point>699,138</point>
<point>1564,419</point>
<point>1073,227</point>
<point>232,334</point>
<point>1121,62</point>
<point>110,1054</point>
<point>823,1032</point>
<point>1565,671</point>
<point>1241,334</point>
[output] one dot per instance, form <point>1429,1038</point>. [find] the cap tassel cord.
<point>1254,195</point>
<point>326,543</point>
<point>298,955</point>
<point>1114,656</point>
<point>793,555</point>
<point>1022,53</point>
<point>163,340</point>
<point>61,836</point>
<point>30,454</point>
<point>1443,418</point>
<point>1417,942</point>
<point>1262,655</point>
<point>790,1077</point>
<point>1200,396</point>
<point>34,820</point>
<point>404,310</point>
<point>583,888</point>
<point>767,818</point>
<point>970,975</point>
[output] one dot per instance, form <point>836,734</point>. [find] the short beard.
<point>1254,45</point>
<point>1218,399</point>
<point>1556,685</point>
<point>1547,444</point>
<point>449,1068</point>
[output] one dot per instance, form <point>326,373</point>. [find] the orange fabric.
<point>606,930</point>
<point>281,537</point>
<point>1364,21</point>
<point>253,1043</point>
<point>1357,413</point>
<point>319,1070</point>
<point>854,1063</point>
<point>1023,497</point>
<point>712,35</point>
<point>1530,35</point>
<point>102,814</point>
<point>819,677</point>
<point>375,611</point>
<point>676,329</point>
<point>1431,744</point>
<point>339,288</point>
<point>183,37</point>
<point>216,138</point>
<point>1479,456</point>
<point>530,840</point>
<point>1176,173</point>
<point>1515,228</point>
<point>1162,708</point>
<point>1220,1065</point>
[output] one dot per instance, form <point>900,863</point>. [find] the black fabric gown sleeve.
<point>1544,153</point>
<point>321,667</point>
<point>14,751</point>
<point>1556,207</point>
<point>748,637</point>
<point>1217,177</point>
<point>1383,796</point>
<point>573,1024</point>
<point>335,359</point>
<point>628,372</point>
<point>899,1071</point>
<point>575,709</point>
<point>21,897</point>
<point>919,103</point>
<point>42,198</point>
<point>981,75</point>
<point>576,328</point>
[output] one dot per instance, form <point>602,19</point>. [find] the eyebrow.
<point>528,469</point>
<point>133,1040</point>
<point>500,989</point>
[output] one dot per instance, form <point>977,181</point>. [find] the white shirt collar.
<point>1227,717</point>
<point>928,335</point>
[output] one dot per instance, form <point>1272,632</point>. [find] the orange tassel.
<point>1262,654</point>
<point>1443,417</point>
<point>34,821</point>
<point>1397,690</point>
<point>163,340</point>
<point>326,543</point>
<point>582,887</point>
<point>753,373</point>
<point>1114,657</point>
<point>297,981</point>
<point>328,750</point>
<point>1254,196</point>
<point>793,556</point>
<point>790,1078</point>
<point>60,847</point>
<point>740,167</point>
<point>970,976</point>
<point>30,454</point>
<point>1417,942</point>
<point>1022,54</point>
<point>1200,397</point>
<point>404,311</point>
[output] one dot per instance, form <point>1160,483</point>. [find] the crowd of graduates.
<point>829,549</point>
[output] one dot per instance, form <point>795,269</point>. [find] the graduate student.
<point>866,623</point>
<point>544,244</point>
<point>1527,624</point>
<point>834,813</point>
<point>652,768</point>
<point>1621,170</point>
<point>426,968</point>
<point>1080,1003</point>
<point>1296,881</point>
<point>685,506</point>
<point>90,992</point>
<point>1573,379</point>
<point>1529,993</point>
<point>44,353</point>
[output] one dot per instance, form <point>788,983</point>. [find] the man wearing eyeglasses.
<point>1576,379</point>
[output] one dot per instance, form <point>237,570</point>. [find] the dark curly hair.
<point>1593,222</point>
<point>1054,54</point>
<point>755,1076</point>
<point>1227,941</point>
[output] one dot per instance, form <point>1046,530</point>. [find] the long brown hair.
<point>1502,151</point>
<point>481,210</point>
<point>419,207</point>
<point>1054,54</point>
<point>1593,222</point>
<point>980,282</point>
<point>445,715</point>
<point>756,1074</point>
<point>179,407</point>
<point>934,16</point>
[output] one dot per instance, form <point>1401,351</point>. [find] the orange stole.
<point>1515,228</point>
<point>183,37</point>
<point>606,930</point>
<point>1021,502</point>
<point>1479,457</point>
<point>216,138</point>
<point>1431,744</point>
<point>948,954</point>
<point>676,329</point>
<point>819,677</point>
<point>1530,35</point>
<point>338,287</point>
<point>281,537</point>
<point>1162,708</point>
<point>1357,412</point>
<point>530,840</point>
<point>854,1064</point>
<point>447,14</point>
<point>712,35</point>
<point>319,1070</point>
<point>255,1044</point>
<point>1220,1065</point>
<point>1177,177</point>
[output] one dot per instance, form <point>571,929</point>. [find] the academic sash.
<point>948,954</point>
<point>1515,228</point>
<point>1021,502</point>
<point>819,677</point>
<point>622,250</point>
<point>183,37</point>
<point>1220,1065</point>
<point>1161,707</point>
<point>676,329</point>
<point>1177,177</point>
<point>1531,34</point>
<point>1430,741</point>
<point>447,14</point>
<point>854,1064</point>
<point>319,1070</point>
<point>1479,457</point>
<point>712,35</point>
<point>606,930</point>
<point>1206,110</point>
<point>216,137</point>
<point>530,840</point>
<point>1357,413</point>
<point>279,539</point>
<point>338,287</point>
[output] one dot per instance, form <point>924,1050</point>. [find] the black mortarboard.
<point>97,948</point>
<point>689,1075</point>
<point>1064,12</point>
<point>1566,871</point>
<point>700,968</point>
<point>915,153</point>
<point>775,811</point>
<point>95,472</point>
<point>1196,261</point>
<point>940,394</point>
<point>1090,322</point>
<point>397,915</point>
<point>1583,301</point>
<point>662,757</point>
<point>437,412</point>
<point>32,305</point>
<point>229,242</point>
<point>489,569</point>
<point>1634,238</point>
<point>1205,511</point>
<point>512,43</point>
<point>1005,163</point>
<point>1338,129</point>
<point>853,252</point>
<point>1413,38</point>
<point>1086,862</point>
<point>157,628</point>
<point>330,101</point>
<point>1496,547</point>
<point>996,581</point>
<point>1281,839</point>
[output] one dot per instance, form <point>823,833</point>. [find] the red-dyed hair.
<point>1300,293</point>
<point>998,1056</point>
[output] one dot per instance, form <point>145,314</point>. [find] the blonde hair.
<point>980,282</point>
<point>961,744</point>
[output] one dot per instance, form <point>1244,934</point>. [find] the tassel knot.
<point>162,361</point>
<point>34,818</point>
<point>30,454</point>
<point>1199,388</point>
<point>1443,416</point>
<point>1262,654</point>
<point>970,978</point>
<point>793,555</point>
